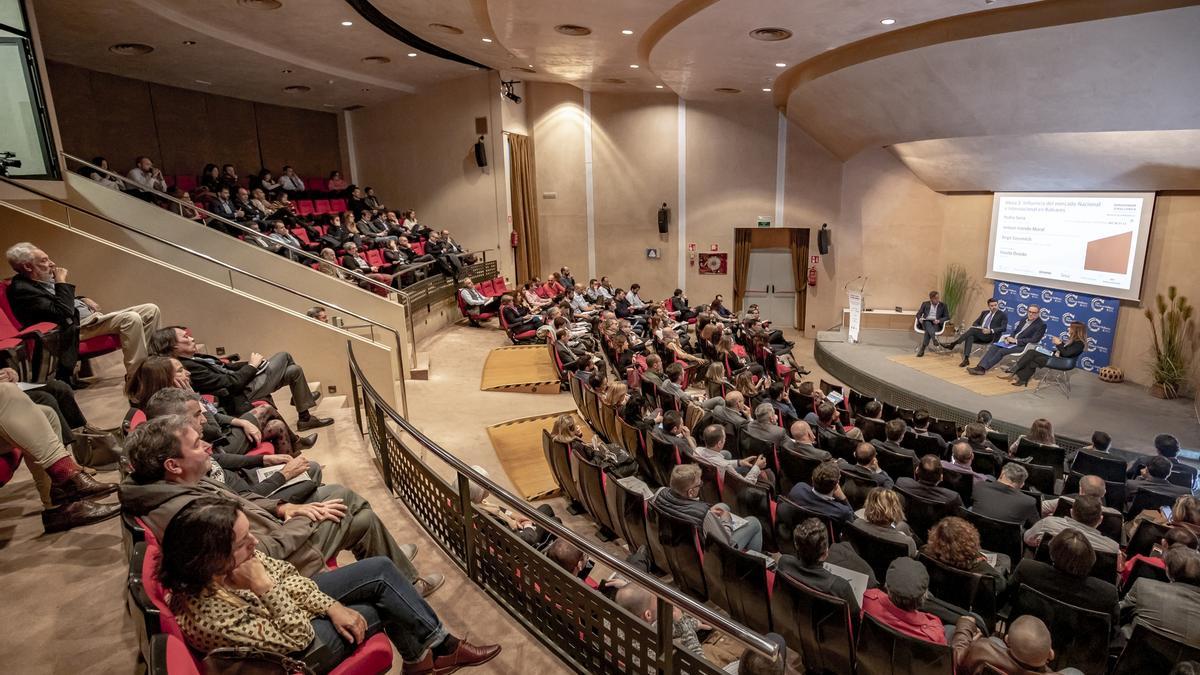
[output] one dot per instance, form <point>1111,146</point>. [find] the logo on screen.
<point>1063,336</point>
<point>1068,317</point>
<point>1047,295</point>
<point>1024,292</point>
<point>1002,305</point>
<point>1003,288</point>
<point>1021,308</point>
<point>1094,324</point>
<point>1091,344</point>
<point>1087,363</point>
<point>1071,299</point>
<point>1098,305</point>
<point>1045,314</point>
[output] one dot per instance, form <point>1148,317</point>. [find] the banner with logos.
<point>856,308</point>
<point>1058,310</point>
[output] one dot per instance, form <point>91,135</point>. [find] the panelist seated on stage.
<point>1061,355</point>
<point>931,318</point>
<point>988,326</point>
<point>1028,331</point>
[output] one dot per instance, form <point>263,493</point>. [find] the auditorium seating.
<point>967,590</point>
<point>10,327</point>
<point>1080,635</point>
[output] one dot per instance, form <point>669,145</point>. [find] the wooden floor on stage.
<point>945,366</point>
<point>518,445</point>
<point>522,368</point>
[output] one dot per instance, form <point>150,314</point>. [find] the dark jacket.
<point>942,313</point>
<point>690,510</point>
<point>228,382</point>
<point>881,479</point>
<point>32,302</point>
<point>804,495</point>
<point>894,448</point>
<point>1028,332</point>
<point>819,579</point>
<point>1159,485</point>
<point>1002,502</point>
<point>931,493</point>
<point>998,324</point>
<point>1086,592</point>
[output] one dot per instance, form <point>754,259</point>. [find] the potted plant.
<point>957,290</point>
<point>1174,333</point>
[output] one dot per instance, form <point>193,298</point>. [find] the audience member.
<point>1170,607</point>
<point>1067,577</point>
<point>641,603</point>
<point>1165,445</point>
<point>147,176</point>
<point>1086,516</point>
<point>1025,650</point>
<point>899,606</point>
<point>955,542</point>
<point>924,483</point>
<point>824,496</point>
<point>1153,478</point>
<point>883,516</point>
<point>811,538</point>
<point>961,456</point>
<point>1003,499</point>
<point>682,500</point>
<point>1088,485</point>
<point>866,465</point>
<point>893,433</point>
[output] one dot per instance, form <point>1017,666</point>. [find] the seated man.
<point>920,426</point>
<point>961,456</point>
<point>990,323</point>
<point>811,538</point>
<point>1086,516</point>
<point>866,465</point>
<point>924,483</point>
<point>475,301</point>
<point>1088,485</point>
<point>803,442</point>
<point>170,464</point>
<point>34,429</point>
<point>1154,479</point>
<point>147,176</point>
<point>675,432</point>
<point>1003,499</point>
<point>237,384</point>
<point>1169,607</point>
<point>893,433</point>
<point>1025,649</point>
<point>644,605</point>
<point>39,292</point>
<point>1165,445</point>
<point>730,410</point>
<point>931,318</point>
<point>826,417</point>
<point>763,426</point>
<point>1067,577</point>
<point>714,452</point>
<point>825,495</point>
<point>898,608</point>
<point>681,499</point>
<point>1028,331</point>
<point>671,384</point>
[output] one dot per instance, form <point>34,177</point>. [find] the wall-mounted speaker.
<point>824,239</point>
<point>480,153</point>
<point>664,218</point>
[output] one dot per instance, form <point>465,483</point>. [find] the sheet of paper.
<point>857,580</point>
<point>26,386</point>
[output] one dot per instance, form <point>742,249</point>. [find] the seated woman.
<point>640,412</point>
<point>616,395</point>
<point>108,181</point>
<point>532,299</point>
<point>670,342</point>
<point>883,516</point>
<point>267,182</point>
<point>336,182</point>
<point>714,380</point>
<point>725,354</point>
<point>210,178</point>
<point>224,593</point>
<point>1033,359</point>
<point>955,542</point>
<point>524,528</point>
<point>622,355</point>
<point>1041,431</point>
<point>235,435</point>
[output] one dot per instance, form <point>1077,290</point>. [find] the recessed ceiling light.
<point>658,86</point>
<point>130,49</point>
<point>626,32</point>
<point>412,55</point>
<point>634,66</point>
<point>347,23</point>
<point>766,89</point>
<point>286,71</point>
<point>189,43</point>
<point>781,65</point>
<point>727,90</point>
<point>487,39</point>
<point>888,22</point>
<point>365,89</point>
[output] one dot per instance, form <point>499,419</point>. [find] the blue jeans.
<point>374,588</point>
<point>747,537</point>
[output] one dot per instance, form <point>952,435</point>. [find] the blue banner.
<point>1058,310</point>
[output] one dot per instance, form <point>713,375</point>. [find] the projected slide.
<point>1080,241</point>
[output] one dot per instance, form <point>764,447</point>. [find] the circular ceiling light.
<point>412,55</point>
<point>626,32</point>
<point>130,49</point>
<point>634,66</point>
<point>727,90</point>
<point>887,22</point>
<point>781,65</point>
<point>446,28</point>
<point>260,4</point>
<point>573,30</point>
<point>297,89</point>
<point>376,60</point>
<point>613,80</point>
<point>770,34</point>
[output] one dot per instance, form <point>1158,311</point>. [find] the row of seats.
<point>29,343</point>
<point>319,207</point>
<point>188,182</point>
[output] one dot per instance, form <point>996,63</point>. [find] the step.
<point>420,367</point>
<point>329,401</point>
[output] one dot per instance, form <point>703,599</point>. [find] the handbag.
<point>250,661</point>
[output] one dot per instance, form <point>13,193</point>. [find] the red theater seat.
<point>304,207</point>
<point>321,206</point>
<point>11,328</point>
<point>499,285</point>
<point>337,205</point>
<point>185,182</point>
<point>485,287</point>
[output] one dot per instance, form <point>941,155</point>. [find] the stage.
<point>878,366</point>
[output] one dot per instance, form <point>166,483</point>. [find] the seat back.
<point>1145,535</point>
<point>576,386</point>
<point>999,536</point>
<point>663,458</point>
<point>558,456</point>
<point>947,429</point>
<point>737,582</point>
<point>750,499</point>
<point>999,439</point>
<point>591,489</point>
<point>1148,500</point>
<point>929,445</point>
<point>877,551</point>
<point>789,514</point>
<point>337,205</point>
<point>680,541</point>
<point>1111,469</point>
<point>895,464</point>
<point>375,257</point>
<point>872,430</point>
<point>628,506</point>
<point>971,591</point>
<point>856,487</point>
<point>986,463</point>
<point>1151,651</point>
<point>961,482</point>
<point>792,467</point>
<point>1143,570</point>
<point>304,207</point>
<point>1045,455</point>
<point>591,408</point>
<point>1080,636</point>
<point>321,206</point>
<point>816,625</point>
<point>608,420</point>
<point>885,651</point>
<point>1041,476</point>
<point>923,514</point>
<point>749,446</point>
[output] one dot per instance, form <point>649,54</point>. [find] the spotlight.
<point>506,88</point>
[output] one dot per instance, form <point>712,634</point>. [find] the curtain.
<point>741,265</point>
<point>799,246</point>
<point>523,180</point>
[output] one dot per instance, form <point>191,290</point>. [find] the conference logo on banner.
<point>1059,309</point>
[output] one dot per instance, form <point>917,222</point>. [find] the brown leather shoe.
<point>76,514</point>
<point>80,486</point>
<point>422,667</point>
<point>429,583</point>
<point>466,656</point>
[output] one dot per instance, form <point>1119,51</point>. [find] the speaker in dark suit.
<point>931,318</point>
<point>988,326</point>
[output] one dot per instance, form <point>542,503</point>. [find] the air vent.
<point>446,28</point>
<point>352,108</point>
<point>727,90</point>
<point>260,4</point>
<point>296,89</point>
<point>613,80</point>
<point>770,34</point>
<point>523,69</point>
<point>573,30</point>
<point>376,60</point>
<point>131,49</point>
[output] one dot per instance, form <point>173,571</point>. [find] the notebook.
<point>857,580</point>
<point>268,471</point>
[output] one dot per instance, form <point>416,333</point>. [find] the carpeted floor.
<point>945,367</point>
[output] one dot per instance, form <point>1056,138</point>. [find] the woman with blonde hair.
<point>670,341</point>
<point>955,542</point>
<point>714,380</point>
<point>883,517</point>
<point>616,395</point>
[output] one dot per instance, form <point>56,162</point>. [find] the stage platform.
<point>518,445</point>
<point>880,366</point>
<point>521,368</point>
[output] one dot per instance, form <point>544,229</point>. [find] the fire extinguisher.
<point>812,275</point>
<point>514,239</point>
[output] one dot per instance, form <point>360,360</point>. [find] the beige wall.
<point>556,119</point>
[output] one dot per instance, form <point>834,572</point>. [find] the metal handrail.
<point>206,258</point>
<point>249,231</point>
<point>660,590</point>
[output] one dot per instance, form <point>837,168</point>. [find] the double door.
<point>771,284</point>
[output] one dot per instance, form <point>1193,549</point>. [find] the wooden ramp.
<point>522,368</point>
<point>518,445</point>
<point>945,367</point>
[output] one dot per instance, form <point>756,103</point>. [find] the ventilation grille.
<point>573,30</point>
<point>770,34</point>
<point>296,89</point>
<point>727,90</point>
<point>376,60</point>
<point>260,4</point>
<point>130,49</point>
<point>446,28</point>
<point>613,80</point>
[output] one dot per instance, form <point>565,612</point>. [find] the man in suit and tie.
<point>39,292</point>
<point>1028,331</point>
<point>931,317</point>
<point>989,325</point>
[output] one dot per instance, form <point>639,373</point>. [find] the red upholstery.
<point>499,285</point>
<point>375,257</point>
<point>321,206</point>
<point>9,326</point>
<point>300,234</point>
<point>418,247</point>
<point>9,462</point>
<point>485,287</point>
<point>304,207</point>
<point>185,182</point>
<point>336,205</point>
<point>462,307</point>
<point>317,183</point>
<point>99,345</point>
<point>136,418</point>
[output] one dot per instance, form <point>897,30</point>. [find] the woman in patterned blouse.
<point>224,593</point>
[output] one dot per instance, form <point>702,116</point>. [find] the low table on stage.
<point>882,319</point>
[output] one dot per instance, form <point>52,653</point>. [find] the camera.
<point>7,161</point>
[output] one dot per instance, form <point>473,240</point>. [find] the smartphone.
<point>587,569</point>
